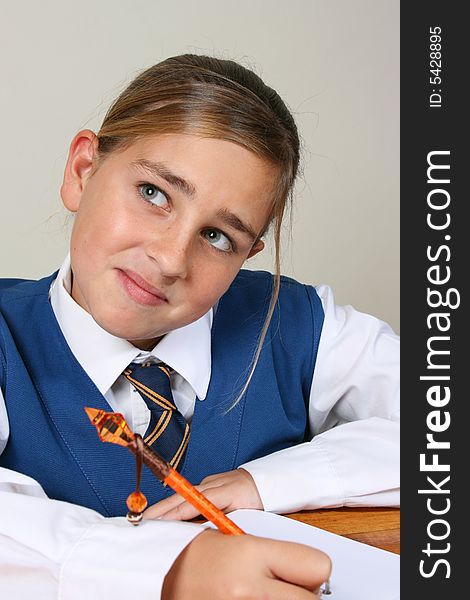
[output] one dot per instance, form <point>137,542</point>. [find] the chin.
<point>115,326</point>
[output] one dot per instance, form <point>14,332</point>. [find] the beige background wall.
<point>334,62</point>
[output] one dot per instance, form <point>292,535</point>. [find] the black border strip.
<point>430,124</point>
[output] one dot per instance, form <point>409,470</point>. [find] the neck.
<point>145,344</point>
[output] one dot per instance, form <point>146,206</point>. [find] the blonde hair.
<point>211,97</point>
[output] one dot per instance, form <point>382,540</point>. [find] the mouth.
<point>140,290</point>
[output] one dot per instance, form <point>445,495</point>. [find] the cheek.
<point>98,231</point>
<point>211,281</point>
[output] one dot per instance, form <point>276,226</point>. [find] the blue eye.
<point>219,240</point>
<point>152,194</point>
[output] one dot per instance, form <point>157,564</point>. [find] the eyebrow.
<point>231,219</point>
<point>158,169</point>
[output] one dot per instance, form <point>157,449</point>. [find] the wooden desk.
<point>378,527</point>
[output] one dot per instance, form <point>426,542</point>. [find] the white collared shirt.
<point>352,460</point>
<point>104,356</point>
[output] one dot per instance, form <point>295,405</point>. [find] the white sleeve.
<point>51,549</point>
<point>353,457</point>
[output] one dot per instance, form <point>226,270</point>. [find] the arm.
<point>56,549</point>
<point>353,458</point>
<point>72,551</point>
<point>68,550</point>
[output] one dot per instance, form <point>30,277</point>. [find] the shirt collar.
<point>104,356</point>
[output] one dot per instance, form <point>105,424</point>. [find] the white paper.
<point>360,572</point>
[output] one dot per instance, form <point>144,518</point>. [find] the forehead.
<point>192,152</point>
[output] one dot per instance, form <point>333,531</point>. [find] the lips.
<point>140,290</point>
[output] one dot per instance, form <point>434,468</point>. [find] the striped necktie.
<point>168,431</point>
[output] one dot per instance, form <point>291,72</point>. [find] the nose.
<point>172,253</point>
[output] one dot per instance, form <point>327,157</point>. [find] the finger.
<point>220,496</point>
<point>159,508</point>
<point>299,564</point>
<point>211,478</point>
<point>182,512</point>
<point>280,590</point>
<point>221,478</point>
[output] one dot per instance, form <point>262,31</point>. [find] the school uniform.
<point>330,373</point>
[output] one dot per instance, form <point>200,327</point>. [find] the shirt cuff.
<point>115,560</point>
<point>286,485</point>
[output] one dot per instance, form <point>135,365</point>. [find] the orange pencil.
<point>113,428</point>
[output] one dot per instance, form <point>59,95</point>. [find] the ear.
<point>257,247</point>
<point>83,151</point>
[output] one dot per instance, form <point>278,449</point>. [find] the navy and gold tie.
<point>168,431</point>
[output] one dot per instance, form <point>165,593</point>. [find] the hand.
<point>228,491</point>
<point>225,567</point>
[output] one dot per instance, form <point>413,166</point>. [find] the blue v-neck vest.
<point>46,390</point>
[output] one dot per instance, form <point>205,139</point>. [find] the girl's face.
<point>161,228</point>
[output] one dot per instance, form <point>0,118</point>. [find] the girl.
<point>281,400</point>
